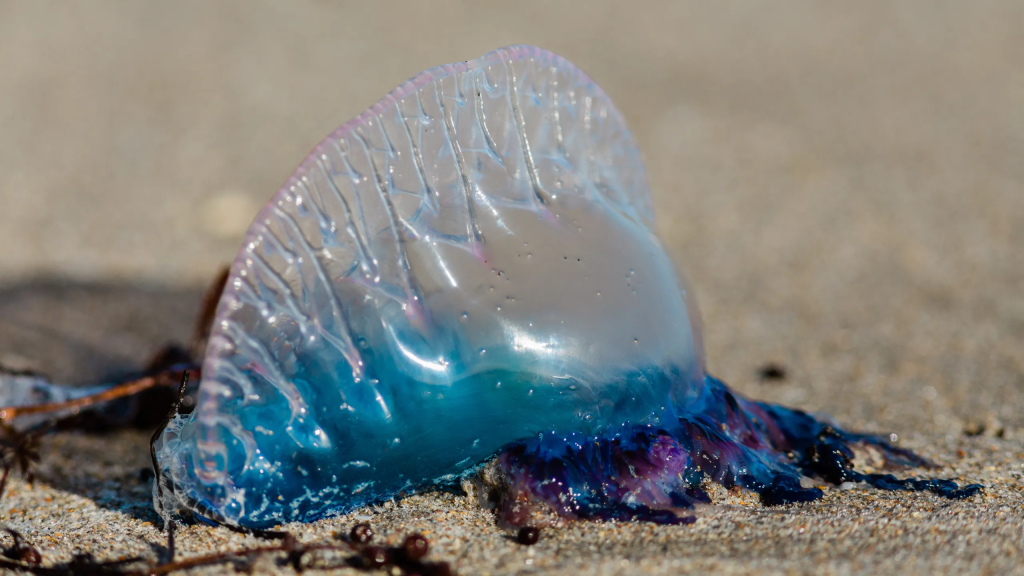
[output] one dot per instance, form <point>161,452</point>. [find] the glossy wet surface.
<point>853,214</point>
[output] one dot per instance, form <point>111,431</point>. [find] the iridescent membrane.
<point>469,270</point>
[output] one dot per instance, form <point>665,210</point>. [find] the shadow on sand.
<point>86,333</point>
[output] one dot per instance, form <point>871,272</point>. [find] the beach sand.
<point>843,184</point>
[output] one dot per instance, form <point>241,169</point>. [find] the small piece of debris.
<point>528,535</point>
<point>361,533</point>
<point>772,372</point>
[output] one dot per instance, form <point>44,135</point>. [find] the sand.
<point>843,185</point>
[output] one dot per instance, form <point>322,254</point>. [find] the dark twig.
<point>8,413</point>
<point>204,322</point>
<point>408,558</point>
<point>3,477</point>
<point>170,542</point>
<point>9,371</point>
<point>167,362</point>
<point>20,449</point>
<point>23,557</point>
<point>264,534</point>
<point>21,550</point>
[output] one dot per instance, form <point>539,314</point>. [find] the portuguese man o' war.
<point>468,273</point>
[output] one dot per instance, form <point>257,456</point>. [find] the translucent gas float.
<point>468,273</point>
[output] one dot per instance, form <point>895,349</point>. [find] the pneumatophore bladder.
<point>468,273</point>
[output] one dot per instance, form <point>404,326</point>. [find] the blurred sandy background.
<point>842,182</point>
